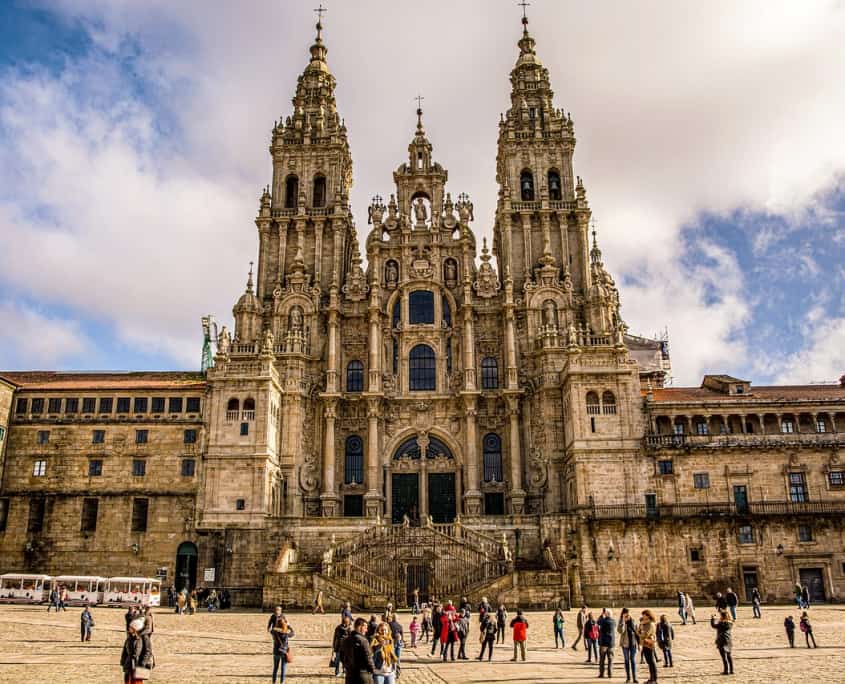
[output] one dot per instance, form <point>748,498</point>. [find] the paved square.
<point>234,647</point>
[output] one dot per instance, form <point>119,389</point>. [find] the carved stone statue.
<point>223,341</point>
<point>549,313</point>
<point>295,319</point>
<point>420,212</point>
<point>391,273</point>
<point>451,272</point>
<point>267,342</point>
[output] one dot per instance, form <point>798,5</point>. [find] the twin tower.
<point>429,383</point>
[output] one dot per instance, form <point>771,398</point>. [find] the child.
<point>665,635</point>
<point>807,628</point>
<point>789,626</point>
<point>414,629</point>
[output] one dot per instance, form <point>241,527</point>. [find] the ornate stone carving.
<point>487,283</point>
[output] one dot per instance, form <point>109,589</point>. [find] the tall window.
<point>106,405</point>
<point>746,534</point>
<point>526,186</point>
<point>489,373</point>
<point>397,313</point>
<point>355,376</point>
<point>353,470</point>
<point>140,404</point>
<point>139,467</point>
<point>140,507</point>
<point>319,191</point>
<point>4,514</point>
<point>192,405</point>
<point>798,488</point>
<point>174,405</point>
<point>447,312</point>
<point>608,403</point>
<point>701,480</point>
<point>89,515</point>
<point>189,436</point>
<point>89,405</point>
<point>701,428</point>
<point>43,436</point>
<point>54,405</point>
<point>35,521</point>
<point>787,426</point>
<point>555,193</point>
<point>71,405</point>
<point>123,404</point>
<point>421,307</point>
<point>291,192</point>
<point>422,373</point>
<point>39,467</point>
<point>37,405</point>
<point>21,405</point>
<point>141,436</point>
<point>492,450</point>
<point>593,407</point>
<point>157,404</point>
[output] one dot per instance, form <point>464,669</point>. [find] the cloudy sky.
<point>711,137</point>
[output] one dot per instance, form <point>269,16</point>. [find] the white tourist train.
<point>81,589</point>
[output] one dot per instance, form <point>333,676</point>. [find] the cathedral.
<point>428,421</point>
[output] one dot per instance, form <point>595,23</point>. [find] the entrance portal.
<point>416,577</point>
<point>813,579</point>
<point>441,497</point>
<point>406,497</point>
<point>186,566</point>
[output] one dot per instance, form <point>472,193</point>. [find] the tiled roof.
<point>63,380</point>
<point>763,393</point>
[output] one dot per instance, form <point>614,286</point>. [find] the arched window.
<point>608,403</point>
<point>421,307</point>
<point>249,404</point>
<point>355,376</point>
<point>353,462</point>
<point>555,192</point>
<point>489,373</point>
<point>526,186</point>
<point>492,450</point>
<point>233,405</point>
<point>397,312</point>
<point>422,375</point>
<point>319,191</point>
<point>593,408</point>
<point>449,355</point>
<point>291,192</point>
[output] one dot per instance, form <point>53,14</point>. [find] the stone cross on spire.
<point>319,11</point>
<point>419,99</point>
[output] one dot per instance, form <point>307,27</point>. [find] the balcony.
<point>745,441</point>
<point>713,509</point>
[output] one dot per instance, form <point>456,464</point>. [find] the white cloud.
<point>822,359</point>
<point>42,341</point>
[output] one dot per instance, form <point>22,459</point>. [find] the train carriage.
<point>81,589</point>
<point>23,588</point>
<point>125,591</point>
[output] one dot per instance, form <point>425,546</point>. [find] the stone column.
<point>469,349</point>
<point>318,249</point>
<point>511,377</point>
<point>283,243</point>
<point>329,498</point>
<point>373,498</point>
<point>517,493</point>
<point>374,375</point>
<point>472,496</point>
<point>526,239</point>
<point>332,372</point>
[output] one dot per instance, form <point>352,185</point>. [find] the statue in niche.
<point>391,273</point>
<point>549,313</point>
<point>295,319</point>
<point>420,212</point>
<point>451,273</point>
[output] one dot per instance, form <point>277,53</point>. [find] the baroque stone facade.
<point>503,415</point>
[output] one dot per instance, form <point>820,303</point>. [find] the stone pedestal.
<point>372,504</point>
<point>473,502</point>
<point>330,505</point>
<point>517,499</point>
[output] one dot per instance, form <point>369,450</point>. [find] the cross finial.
<point>524,6</point>
<point>320,11</point>
<point>419,99</point>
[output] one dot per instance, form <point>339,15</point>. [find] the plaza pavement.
<point>233,646</point>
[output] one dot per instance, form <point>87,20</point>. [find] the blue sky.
<point>133,147</point>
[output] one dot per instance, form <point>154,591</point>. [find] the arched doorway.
<point>186,566</point>
<point>423,481</point>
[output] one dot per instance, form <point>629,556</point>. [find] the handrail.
<point>711,509</point>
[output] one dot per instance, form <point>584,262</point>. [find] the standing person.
<point>628,640</point>
<point>607,635</point>
<point>274,618</point>
<point>721,602</point>
<point>755,602</point>
<point>483,609</point>
<point>557,625</point>
<point>501,621</point>
<point>129,616</point>
<point>63,598</point>
<point>170,597</point>
<point>579,623</point>
<point>346,611</point>
<point>448,632</point>
<point>414,629</point>
<point>647,633</point>
<point>489,630</point>
<point>733,601</point>
<point>789,626</point>
<point>282,634</point>
<point>86,623</point>
<point>462,626</point>
<point>192,602</point>
<point>131,655</point>
<point>796,590</point>
<point>318,604</point>
<point>807,628</point>
<point>384,657</point>
<point>689,607</point>
<point>180,603</point>
<point>149,621</point>
<point>416,607</point>
<point>724,640</point>
<point>435,626</point>
<point>54,600</point>
<point>591,636</point>
<point>682,607</point>
<point>519,625</point>
<point>805,596</point>
<point>426,621</point>
<point>343,630</point>
<point>665,636</point>
<point>372,626</point>
<point>357,655</point>
<point>398,635</point>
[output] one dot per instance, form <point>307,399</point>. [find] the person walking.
<point>343,630</point>
<point>689,607</point>
<point>318,604</point>
<point>682,607</point>
<point>733,601</point>
<point>385,659</point>
<point>579,624</point>
<point>282,633</point>
<point>755,602</point>
<point>462,627</point>
<point>398,636</point>
<point>489,631</point>
<point>357,655</point>
<point>557,625</point>
<point>724,639</point>
<point>796,591</point>
<point>789,627</point>
<point>414,629</point>
<point>591,636</point>
<point>519,625</point>
<point>807,628</point>
<point>665,635</point>
<point>54,600</point>
<point>64,598</point>
<point>607,641</point>
<point>372,626</point>
<point>628,640</point>
<point>426,622</point>
<point>647,634</point>
<point>415,609</point>
<point>448,632</point>
<point>346,611</point>
<point>805,597</point>
<point>130,615</point>
<point>501,622</point>
<point>86,623</point>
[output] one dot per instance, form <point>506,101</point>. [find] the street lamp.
<point>780,549</point>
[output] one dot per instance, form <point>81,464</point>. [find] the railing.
<point>814,439</point>
<point>562,205</point>
<point>712,509</point>
<point>248,415</point>
<point>243,349</point>
<point>231,416</point>
<point>525,206</point>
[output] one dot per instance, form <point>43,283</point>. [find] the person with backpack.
<point>519,625</point>
<point>665,635</point>
<point>489,630</point>
<point>807,628</point>
<point>501,621</point>
<point>789,626</point>
<point>462,626</point>
<point>629,641</point>
<point>557,625</point>
<point>591,638</point>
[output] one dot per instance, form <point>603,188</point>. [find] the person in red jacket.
<point>448,631</point>
<point>519,625</point>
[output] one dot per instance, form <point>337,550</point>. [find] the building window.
<point>189,466</point>
<point>240,504</point>
<point>141,436</point>
<point>98,437</point>
<point>678,428</point>
<point>291,192</point>
<point>106,405</point>
<point>157,405</point>
<point>489,373</point>
<point>608,403</point>
<point>89,405</point>
<point>190,436</point>
<point>593,406</point>
<point>492,452</point>
<point>395,356</point>
<point>35,520</point>
<point>447,311</point>
<point>95,467</point>
<point>123,404</point>
<point>821,424</point>
<point>746,534</point>
<point>798,488</point>
<point>39,467</point>
<point>701,428</point>
<point>701,480</point>
<point>353,505</point>
<point>43,436</point>
<point>54,406</point>
<point>174,405</point>
<point>787,426</point>
<point>422,372</point>
<point>89,515</point>
<point>695,555</point>
<point>836,478</point>
<point>421,307</point>
<point>449,355</point>
<point>664,467</point>
<point>355,376</point>
<point>244,429</point>
<point>397,313</point>
<point>2,433</point>
<point>139,467</point>
<point>4,514</point>
<point>526,186</point>
<point>37,406</point>
<point>353,460</point>
<point>494,503</point>
<point>192,405</point>
<point>21,405</point>
<point>319,191</point>
<point>805,533</point>
<point>140,508</point>
<point>71,405</point>
<point>555,192</point>
<point>140,404</point>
